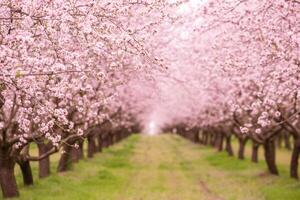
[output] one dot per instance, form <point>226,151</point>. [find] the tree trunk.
<point>80,150</point>
<point>241,152</point>
<point>105,140</point>
<point>99,141</point>
<point>91,147</point>
<point>216,140</point>
<point>254,156</point>
<point>205,138</point>
<point>114,138</point>
<point>295,159</point>
<point>220,142</point>
<point>279,140</point>
<point>196,136</point>
<point>44,164</point>
<point>7,177</point>
<point>270,156</point>
<point>287,142</point>
<point>26,172</point>
<point>200,137</point>
<point>25,166</point>
<point>211,139</point>
<point>74,155</point>
<point>126,134</point>
<point>120,135</point>
<point>65,159</point>
<point>109,140</point>
<point>229,146</point>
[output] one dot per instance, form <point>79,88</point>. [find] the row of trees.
<point>78,69</point>
<point>66,71</point>
<point>222,141</point>
<point>240,78</point>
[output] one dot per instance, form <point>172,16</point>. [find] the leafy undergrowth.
<point>163,167</point>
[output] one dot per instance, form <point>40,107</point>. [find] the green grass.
<point>256,178</point>
<point>227,163</point>
<point>163,167</point>
<point>98,178</point>
<point>283,157</point>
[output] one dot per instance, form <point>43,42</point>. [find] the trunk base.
<point>7,177</point>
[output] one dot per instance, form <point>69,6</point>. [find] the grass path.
<point>163,167</point>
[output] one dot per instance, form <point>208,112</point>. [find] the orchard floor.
<point>163,167</point>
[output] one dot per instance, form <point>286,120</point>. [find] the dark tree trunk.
<point>7,177</point>
<point>216,140</point>
<point>99,141</point>
<point>74,155</point>
<point>241,151</point>
<point>196,137</point>
<point>44,164</point>
<point>229,146</point>
<point>123,134</point>
<point>115,138</point>
<point>25,167</point>
<point>270,156</point>
<point>254,156</point>
<point>119,136</point>
<point>91,147</point>
<point>279,140</point>
<point>287,142</point>
<point>126,134</point>
<point>220,142</point>
<point>205,139</point>
<point>80,150</point>
<point>295,159</point>
<point>211,139</point>
<point>103,142</point>
<point>109,140</point>
<point>65,160</point>
<point>26,172</point>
